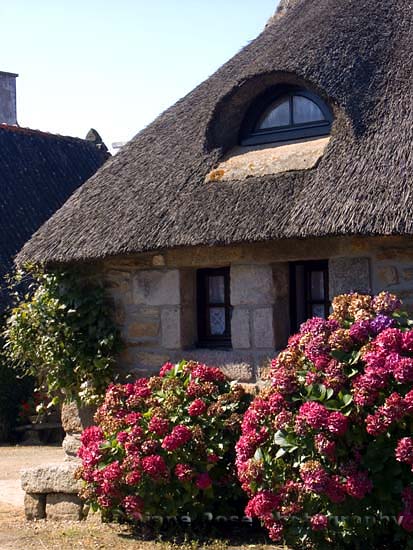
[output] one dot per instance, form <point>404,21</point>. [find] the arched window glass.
<point>275,116</point>
<point>305,110</point>
<point>295,114</point>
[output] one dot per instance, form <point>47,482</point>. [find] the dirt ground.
<point>18,534</point>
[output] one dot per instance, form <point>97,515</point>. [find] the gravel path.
<point>13,460</point>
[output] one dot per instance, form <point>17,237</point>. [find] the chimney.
<point>8,98</point>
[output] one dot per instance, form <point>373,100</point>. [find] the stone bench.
<point>40,434</point>
<point>51,489</point>
<point>52,492</point>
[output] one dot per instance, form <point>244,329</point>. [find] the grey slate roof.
<point>357,54</point>
<point>38,173</point>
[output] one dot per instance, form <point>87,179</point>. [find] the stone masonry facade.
<point>155,296</point>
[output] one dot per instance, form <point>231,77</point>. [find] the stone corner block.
<point>263,323</point>
<point>75,419</point>
<point>240,328</point>
<point>157,287</point>
<point>171,328</point>
<point>34,506</point>
<point>71,444</point>
<point>252,285</point>
<point>63,507</point>
<point>51,478</point>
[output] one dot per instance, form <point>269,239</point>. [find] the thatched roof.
<point>38,173</point>
<point>356,54</point>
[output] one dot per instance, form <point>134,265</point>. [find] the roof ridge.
<point>33,131</point>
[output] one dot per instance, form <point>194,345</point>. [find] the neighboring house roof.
<point>38,173</point>
<point>356,54</point>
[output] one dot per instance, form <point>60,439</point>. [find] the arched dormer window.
<point>284,115</point>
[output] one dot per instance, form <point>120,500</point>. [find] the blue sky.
<point>116,64</point>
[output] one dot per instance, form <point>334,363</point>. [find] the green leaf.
<point>258,454</point>
<point>279,439</point>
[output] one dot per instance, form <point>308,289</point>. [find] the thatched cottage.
<point>279,182</point>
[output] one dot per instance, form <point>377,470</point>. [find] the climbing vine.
<point>61,332</point>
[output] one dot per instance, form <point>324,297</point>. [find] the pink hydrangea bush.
<point>326,452</point>
<point>165,446</point>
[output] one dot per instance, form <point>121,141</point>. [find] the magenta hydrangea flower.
<point>314,476</point>
<point>208,374</point>
<point>263,504</point>
<point>404,451</point>
<point>358,485</point>
<point>178,438</point>
<point>165,369</point>
<point>325,446</point>
<point>134,506</point>
<point>197,407</point>
<point>319,522</point>
<point>203,481</point>
<point>314,414</point>
<point>184,472</point>
<point>154,466</point>
<point>337,423</point>
<point>159,426</point>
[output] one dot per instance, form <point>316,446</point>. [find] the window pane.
<point>217,321</point>
<point>217,289</point>
<point>317,285</point>
<point>318,310</point>
<point>305,110</point>
<point>275,116</point>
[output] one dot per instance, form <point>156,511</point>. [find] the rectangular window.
<point>309,294</point>
<point>214,308</point>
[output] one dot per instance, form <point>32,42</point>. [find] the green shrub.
<point>326,453</point>
<point>61,333</point>
<point>165,446</point>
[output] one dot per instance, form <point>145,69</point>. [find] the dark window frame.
<point>205,338</point>
<point>309,267</point>
<point>250,135</point>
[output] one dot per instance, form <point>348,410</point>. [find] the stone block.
<point>251,285</point>
<point>263,328</point>
<point>63,507</point>
<point>240,328</point>
<point>171,328</point>
<point>235,365</point>
<point>51,478</point>
<point>150,360</point>
<point>157,287</point>
<point>76,419</point>
<point>158,260</point>
<point>34,506</point>
<point>242,162</point>
<point>349,275</point>
<point>281,278</point>
<point>139,329</point>
<point>388,275</point>
<point>71,445</point>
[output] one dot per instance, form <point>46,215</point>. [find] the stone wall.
<point>155,296</point>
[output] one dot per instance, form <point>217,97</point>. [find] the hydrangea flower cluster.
<point>165,445</point>
<point>331,437</point>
